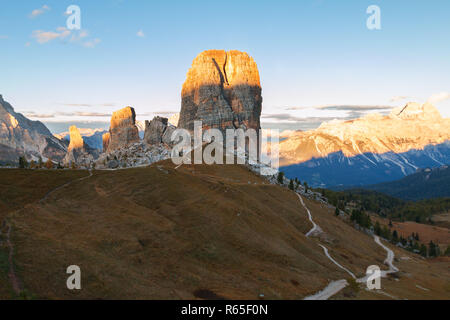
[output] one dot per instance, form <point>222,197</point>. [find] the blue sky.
<point>310,54</point>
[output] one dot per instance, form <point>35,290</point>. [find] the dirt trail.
<point>315,228</point>
<point>12,274</point>
<point>63,186</point>
<point>335,286</point>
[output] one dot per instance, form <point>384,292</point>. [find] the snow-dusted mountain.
<point>369,150</point>
<point>20,136</point>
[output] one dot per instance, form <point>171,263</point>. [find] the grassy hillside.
<point>192,232</point>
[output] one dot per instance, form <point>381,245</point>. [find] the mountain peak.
<point>414,110</point>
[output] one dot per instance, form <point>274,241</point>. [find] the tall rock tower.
<point>223,90</point>
<point>123,130</point>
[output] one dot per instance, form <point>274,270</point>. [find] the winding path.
<point>63,186</point>
<point>315,227</point>
<point>336,286</point>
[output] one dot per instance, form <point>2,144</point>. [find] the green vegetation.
<point>23,163</point>
<point>387,206</point>
<point>291,184</point>
<point>280,177</point>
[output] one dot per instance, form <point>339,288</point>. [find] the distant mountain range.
<point>424,184</point>
<point>369,150</point>
<point>20,136</point>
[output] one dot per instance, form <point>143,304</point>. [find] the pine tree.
<point>395,236</point>
<point>432,252</point>
<point>280,177</point>
<point>23,163</point>
<point>377,228</point>
<point>291,184</point>
<point>336,212</point>
<point>423,250</point>
<point>40,162</point>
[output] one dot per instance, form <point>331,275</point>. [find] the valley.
<point>165,233</point>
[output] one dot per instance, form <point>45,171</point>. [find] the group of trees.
<point>24,164</point>
<point>387,206</point>
<point>411,243</point>
<point>293,183</point>
<point>361,218</point>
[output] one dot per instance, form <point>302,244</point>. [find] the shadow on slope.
<point>338,170</point>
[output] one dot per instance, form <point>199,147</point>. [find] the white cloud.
<point>46,36</point>
<point>140,34</point>
<point>38,12</point>
<point>91,43</point>
<point>61,33</point>
<point>439,97</point>
<point>77,36</point>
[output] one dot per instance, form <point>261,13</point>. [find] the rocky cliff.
<point>223,90</point>
<point>76,141</point>
<point>20,136</point>
<point>371,149</point>
<point>123,131</point>
<point>158,131</point>
<point>79,153</point>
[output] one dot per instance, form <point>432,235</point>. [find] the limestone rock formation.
<point>123,131</point>
<point>134,155</point>
<point>91,137</point>
<point>158,131</point>
<point>20,136</point>
<point>78,152</point>
<point>223,90</point>
<point>174,119</point>
<point>106,137</point>
<point>76,141</point>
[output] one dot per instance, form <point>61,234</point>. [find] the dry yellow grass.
<point>166,233</point>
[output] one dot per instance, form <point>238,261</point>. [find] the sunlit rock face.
<point>78,152</point>
<point>371,149</point>
<point>20,136</point>
<point>223,90</point>
<point>76,141</point>
<point>106,137</point>
<point>123,131</point>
